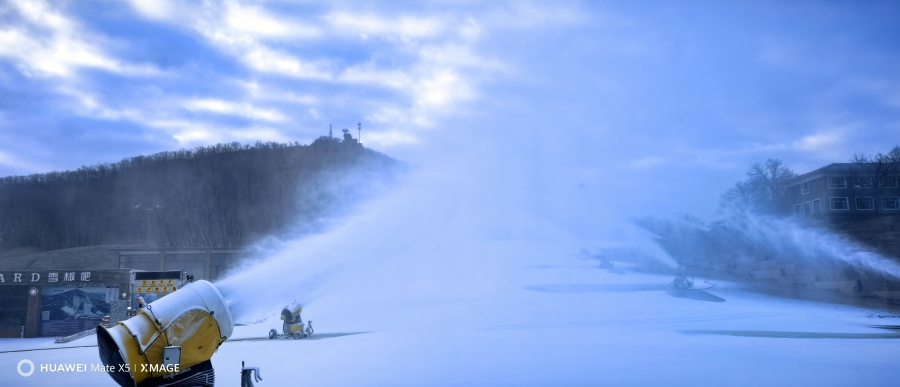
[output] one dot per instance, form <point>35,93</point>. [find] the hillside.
<point>224,195</point>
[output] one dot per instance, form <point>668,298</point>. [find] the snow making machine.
<point>682,282</point>
<point>293,325</point>
<point>169,342</point>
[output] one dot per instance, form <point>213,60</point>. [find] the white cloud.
<point>256,21</point>
<point>40,13</point>
<point>443,89</point>
<point>154,9</point>
<point>469,29</point>
<point>257,134</point>
<point>197,132</point>
<point>404,27</point>
<point>59,48</point>
<point>819,141</point>
<point>456,55</point>
<point>426,65</point>
<point>269,93</point>
<point>9,160</point>
<point>369,74</point>
<point>270,61</point>
<point>388,138</point>
<point>236,109</point>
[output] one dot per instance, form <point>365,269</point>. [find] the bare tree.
<point>770,178</point>
<point>875,173</point>
<point>743,197</point>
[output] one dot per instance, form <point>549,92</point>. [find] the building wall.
<point>802,196</point>
<point>205,264</point>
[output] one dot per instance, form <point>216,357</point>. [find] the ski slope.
<point>528,316</point>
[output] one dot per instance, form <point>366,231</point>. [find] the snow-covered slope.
<point>529,316</point>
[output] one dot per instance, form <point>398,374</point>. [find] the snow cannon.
<point>681,280</point>
<point>293,325</point>
<point>170,341</point>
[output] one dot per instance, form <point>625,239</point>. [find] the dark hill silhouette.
<point>223,195</point>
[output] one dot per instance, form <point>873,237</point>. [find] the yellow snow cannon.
<point>170,341</point>
<point>293,325</point>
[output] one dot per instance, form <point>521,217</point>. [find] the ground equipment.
<point>170,341</point>
<point>681,281</point>
<point>293,325</point>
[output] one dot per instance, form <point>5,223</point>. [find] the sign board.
<point>60,277</point>
<point>156,282</point>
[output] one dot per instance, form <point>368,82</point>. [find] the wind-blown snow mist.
<point>754,237</point>
<point>449,230</point>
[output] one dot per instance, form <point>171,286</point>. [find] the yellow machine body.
<point>291,313</point>
<point>195,318</point>
<point>297,327</point>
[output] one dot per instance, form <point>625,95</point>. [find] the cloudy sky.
<point>658,106</point>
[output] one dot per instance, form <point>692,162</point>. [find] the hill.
<point>224,195</point>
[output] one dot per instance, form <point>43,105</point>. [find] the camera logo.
<point>30,368</point>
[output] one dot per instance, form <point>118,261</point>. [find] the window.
<point>816,206</point>
<point>804,188</point>
<point>837,182</point>
<point>797,209</point>
<point>807,208</point>
<point>839,204</point>
<point>889,182</point>
<point>890,203</point>
<point>862,182</point>
<point>865,203</point>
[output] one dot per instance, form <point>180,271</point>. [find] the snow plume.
<point>750,236</point>
<point>415,242</point>
<point>791,237</point>
<point>450,230</point>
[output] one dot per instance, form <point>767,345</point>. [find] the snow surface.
<point>536,318</point>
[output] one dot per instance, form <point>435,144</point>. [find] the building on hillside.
<point>841,192</point>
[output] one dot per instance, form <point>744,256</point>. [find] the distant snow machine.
<point>681,281</point>
<point>293,325</point>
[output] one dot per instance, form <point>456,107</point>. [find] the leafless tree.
<point>743,197</point>
<point>769,179</point>
<point>876,173</point>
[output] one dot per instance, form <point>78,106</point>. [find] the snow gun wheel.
<point>273,334</point>
<point>298,335</point>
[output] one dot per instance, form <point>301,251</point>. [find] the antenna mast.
<point>359,132</point>
<point>329,131</point>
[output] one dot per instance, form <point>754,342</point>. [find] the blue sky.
<point>654,106</point>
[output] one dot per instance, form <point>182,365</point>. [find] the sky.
<point>648,107</point>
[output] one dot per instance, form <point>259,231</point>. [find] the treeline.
<point>224,195</point>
